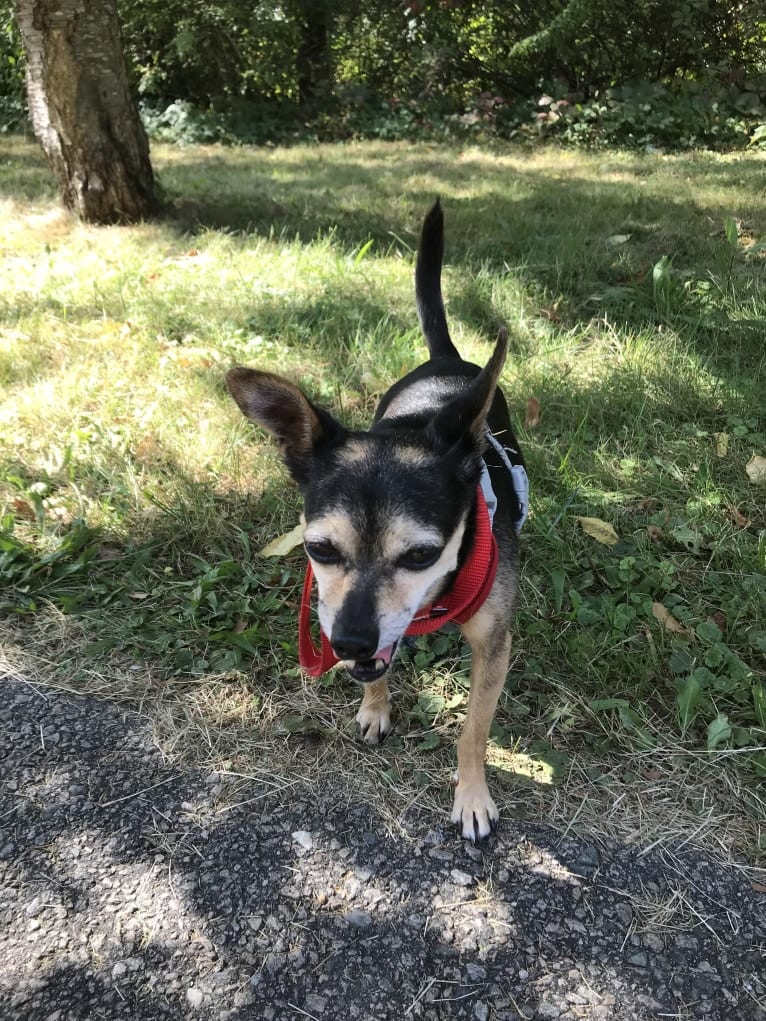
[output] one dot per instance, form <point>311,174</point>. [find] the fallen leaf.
<point>655,533</point>
<point>666,619</point>
<point>759,887</point>
<point>533,413</point>
<point>190,357</point>
<point>756,470</point>
<point>147,448</point>
<point>617,239</point>
<point>648,503</point>
<point>109,552</point>
<point>552,313</point>
<point>652,774</point>
<point>138,595</point>
<point>599,530</point>
<point>719,619</point>
<point>23,509</point>
<point>371,383</point>
<point>739,519</point>
<point>283,544</point>
<point>721,444</point>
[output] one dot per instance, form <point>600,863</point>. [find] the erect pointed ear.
<point>299,427</point>
<point>464,417</point>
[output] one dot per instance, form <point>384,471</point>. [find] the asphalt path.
<point>132,887</point>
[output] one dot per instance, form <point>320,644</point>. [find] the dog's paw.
<point>474,812</point>
<point>374,722</point>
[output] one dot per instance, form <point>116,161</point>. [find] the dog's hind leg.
<point>374,716</point>
<point>474,811</point>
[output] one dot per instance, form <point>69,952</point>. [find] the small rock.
<point>548,1011</point>
<point>119,969</point>
<point>639,960</point>
<point>440,854</point>
<point>624,912</point>
<point>481,1011</point>
<point>359,919</point>
<point>304,838</point>
<point>33,908</point>
<point>315,1003</point>
<point>461,878</point>
<point>587,858</point>
<point>194,996</point>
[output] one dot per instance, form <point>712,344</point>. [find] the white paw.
<point>374,722</point>
<point>474,812</point>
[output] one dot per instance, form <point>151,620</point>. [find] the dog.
<point>410,524</point>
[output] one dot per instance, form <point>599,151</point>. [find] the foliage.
<point>647,72</point>
<point>686,114</point>
<point>12,107</point>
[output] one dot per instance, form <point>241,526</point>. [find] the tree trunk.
<point>312,61</point>
<point>81,108</point>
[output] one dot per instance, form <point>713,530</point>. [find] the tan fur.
<point>402,533</point>
<point>353,452</point>
<point>374,716</point>
<point>338,529</point>
<point>412,456</point>
<point>404,593</point>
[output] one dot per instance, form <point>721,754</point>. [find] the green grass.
<point>134,498</point>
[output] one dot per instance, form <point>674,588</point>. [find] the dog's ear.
<point>300,428</point>
<point>461,422</point>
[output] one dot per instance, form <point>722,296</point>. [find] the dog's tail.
<point>428,290</point>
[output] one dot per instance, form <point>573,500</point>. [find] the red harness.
<point>469,590</point>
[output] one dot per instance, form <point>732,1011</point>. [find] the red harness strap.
<point>469,591</point>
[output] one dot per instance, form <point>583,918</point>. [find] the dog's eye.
<point>419,557</point>
<point>323,551</point>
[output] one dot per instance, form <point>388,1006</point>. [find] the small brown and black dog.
<point>399,519</point>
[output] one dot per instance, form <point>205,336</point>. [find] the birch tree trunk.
<point>81,109</point>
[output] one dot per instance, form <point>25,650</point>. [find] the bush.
<point>684,114</point>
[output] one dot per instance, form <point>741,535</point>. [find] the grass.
<point>134,499</point>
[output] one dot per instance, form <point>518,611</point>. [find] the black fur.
<point>420,463</point>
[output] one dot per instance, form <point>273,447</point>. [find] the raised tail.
<point>428,291</point>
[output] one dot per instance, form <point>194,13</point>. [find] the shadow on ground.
<point>134,887</point>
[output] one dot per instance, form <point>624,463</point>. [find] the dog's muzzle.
<point>367,670</point>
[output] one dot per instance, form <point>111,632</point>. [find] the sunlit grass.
<point>134,498</point>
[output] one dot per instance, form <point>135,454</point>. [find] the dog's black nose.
<point>357,645</point>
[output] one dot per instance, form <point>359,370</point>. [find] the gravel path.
<point>130,888</point>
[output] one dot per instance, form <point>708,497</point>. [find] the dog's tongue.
<point>385,654</point>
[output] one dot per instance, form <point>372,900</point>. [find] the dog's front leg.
<point>374,716</point>
<point>474,811</point>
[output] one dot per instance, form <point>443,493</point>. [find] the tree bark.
<point>82,111</point>
<point>312,61</point>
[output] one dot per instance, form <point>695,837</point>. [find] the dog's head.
<point>386,512</point>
